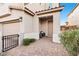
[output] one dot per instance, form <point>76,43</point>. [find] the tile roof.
<point>50,9</point>
<point>27,10</point>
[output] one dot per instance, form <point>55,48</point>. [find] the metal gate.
<point>9,42</point>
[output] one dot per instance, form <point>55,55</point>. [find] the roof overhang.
<point>11,21</point>
<point>25,9</point>
<point>73,9</point>
<point>50,10</point>
<point>29,11</point>
<point>5,15</point>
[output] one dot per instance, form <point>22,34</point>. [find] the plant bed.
<point>70,40</point>
<point>27,41</point>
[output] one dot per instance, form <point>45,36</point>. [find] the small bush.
<point>70,40</point>
<point>32,40</point>
<point>27,41</point>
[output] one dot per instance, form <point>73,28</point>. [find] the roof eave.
<point>73,9</point>
<point>5,15</point>
<point>29,11</point>
<point>24,9</point>
<point>50,10</point>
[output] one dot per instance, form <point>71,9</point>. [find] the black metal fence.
<point>9,42</point>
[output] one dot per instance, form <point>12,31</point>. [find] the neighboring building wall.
<point>73,18</point>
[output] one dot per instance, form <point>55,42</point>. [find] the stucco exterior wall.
<point>33,23</point>
<point>4,9</point>
<point>36,26</point>
<point>26,19</point>
<point>73,18</point>
<point>56,27</point>
<point>29,27</point>
<point>28,24</point>
<point>10,29</point>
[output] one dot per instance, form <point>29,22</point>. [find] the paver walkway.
<point>42,47</point>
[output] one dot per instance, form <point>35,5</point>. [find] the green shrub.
<point>70,40</point>
<point>32,40</point>
<point>27,41</point>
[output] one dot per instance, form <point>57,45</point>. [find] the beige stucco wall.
<point>24,28</point>
<point>4,9</point>
<point>56,27</point>
<point>28,24</point>
<point>27,19</point>
<point>29,27</point>
<point>73,18</point>
<point>10,29</point>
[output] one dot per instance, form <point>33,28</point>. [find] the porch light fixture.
<point>20,19</point>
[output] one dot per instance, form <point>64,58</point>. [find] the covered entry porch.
<point>46,25</point>
<point>49,22</point>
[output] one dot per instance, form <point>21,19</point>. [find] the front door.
<point>50,28</point>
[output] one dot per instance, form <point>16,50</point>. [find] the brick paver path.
<point>42,47</point>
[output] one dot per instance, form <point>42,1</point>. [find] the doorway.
<point>50,29</point>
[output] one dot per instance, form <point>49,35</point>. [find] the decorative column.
<point>21,32</point>
<point>36,27</point>
<point>56,27</point>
